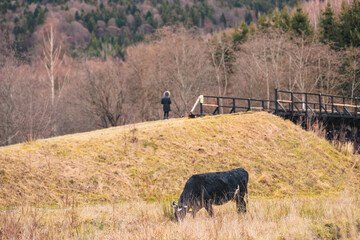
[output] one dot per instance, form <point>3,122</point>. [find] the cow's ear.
<point>174,204</point>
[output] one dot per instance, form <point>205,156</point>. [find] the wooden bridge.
<point>287,104</point>
<point>338,116</point>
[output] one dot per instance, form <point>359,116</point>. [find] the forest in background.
<point>55,83</point>
<point>101,28</point>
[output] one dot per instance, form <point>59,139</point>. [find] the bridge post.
<point>356,103</point>
<point>306,107</point>
<point>218,103</point>
<point>234,105</point>
<point>276,101</point>
<point>332,104</point>
<point>320,104</point>
<point>292,104</point>
<point>249,104</point>
<point>344,104</point>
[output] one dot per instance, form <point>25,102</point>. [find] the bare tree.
<point>176,61</point>
<point>145,73</point>
<point>104,95</point>
<point>24,110</point>
<point>328,67</point>
<point>262,61</point>
<point>354,71</point>
<point>187,67</point>
<point>8,130</point>
<point>314,7</point>
<point>351,60</point>
<point>274,60</point>
<point>220,49</point>
<point>51,61</point>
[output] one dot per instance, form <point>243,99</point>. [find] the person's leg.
<point>167,114</point>
<point>164,114</point>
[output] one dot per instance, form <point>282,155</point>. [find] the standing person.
<point>166,101</point>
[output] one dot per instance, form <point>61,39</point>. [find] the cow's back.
<point>219,186</point>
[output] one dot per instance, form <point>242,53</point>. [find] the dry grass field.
<point>293,218</point>
<point>118,183</point>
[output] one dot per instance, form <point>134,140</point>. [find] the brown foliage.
<point>103,94</point>
<point>272,60</point>
<point>176,61</point>
<point>24,112</point>
<point>314,7</point>
<point>93,94</point>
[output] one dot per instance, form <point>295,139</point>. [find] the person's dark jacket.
<point>166,101</point>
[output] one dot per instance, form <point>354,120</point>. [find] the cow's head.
<point>179,211</point>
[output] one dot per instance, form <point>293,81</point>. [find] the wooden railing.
<point>285,103</point>
<point>234,104</point>
<point>315,104</point>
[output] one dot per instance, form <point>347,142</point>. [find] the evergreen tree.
<point>121,20</point>
<point>138,20</point>
<point>30,22</point>
<point>149,18</point>
<point>285,20</point>
<point>350,25</point>
<point>329,28</point>
<point>195,16</point>
<point>263,22</point>
<point>90,21</point>
<point>94,46</point>
<point>238,36</point>
<point>102,6</point>
<point>41,17</point>
<point>37,9</point>
<point>77,16</point>
<point>223,19</point>
<point>300,22</point>
<point>248,17</point>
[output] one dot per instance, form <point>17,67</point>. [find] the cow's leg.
<point>209,209</point>
<point>194,211</point>
<point>205,201</point>
<point>240,203</point>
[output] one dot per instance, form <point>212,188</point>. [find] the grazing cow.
<point>203,190</point>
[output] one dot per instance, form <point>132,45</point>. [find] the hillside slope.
<point>153,160</point>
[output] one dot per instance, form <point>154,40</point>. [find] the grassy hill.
<point>152,161</point>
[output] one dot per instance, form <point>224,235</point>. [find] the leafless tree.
<point>51,61</point>
<point>220,49</point>
<point>274,60</point>
<point>104,95</point>
<point>328,65</point>
<point>146,75</point>
<point>188,67</point>
<point>262,60</point>
<point>351,77</point>
<point>8,130</point>
<point>24,109</point>
<point>176,61</point>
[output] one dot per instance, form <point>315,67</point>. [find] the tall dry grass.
<point>339,141</point>
<point>132,166</point>
<point>294,218</point>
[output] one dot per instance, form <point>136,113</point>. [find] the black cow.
<point>203,190</point>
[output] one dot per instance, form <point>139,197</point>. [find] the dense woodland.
<point>101,28</point>
<point>73,66</point>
